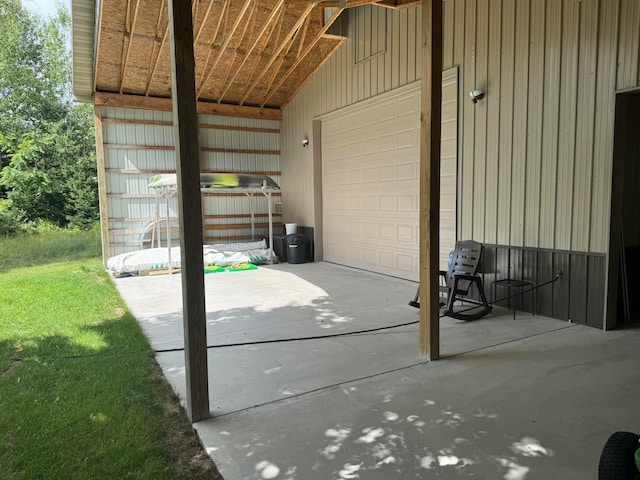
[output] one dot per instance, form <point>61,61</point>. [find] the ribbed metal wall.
<point>139,143</point>
<point>384,65</point>
<point>535,156</point>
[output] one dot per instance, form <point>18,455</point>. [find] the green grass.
<point>48,246</point>
<point>81,395</point>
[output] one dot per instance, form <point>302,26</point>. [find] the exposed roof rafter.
<point>247,52</point>
<point>225,44</point>
<point>279,50</point>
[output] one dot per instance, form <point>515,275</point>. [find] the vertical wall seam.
<point>579,68</point>
<point>499,122</point>
<point>486,129</point>
<point>460,141</point>
<point>474,120</point>
<point>526,129</point>
<point>561,75</point>
<point>542,115</point>
<point>513,66</point>
<point>593,131</point>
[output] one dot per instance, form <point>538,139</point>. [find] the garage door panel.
<point>388,143</point>
<point>374,224</point>
<point>407,203</point>
<point>407,171</point>
<point>409,138</point>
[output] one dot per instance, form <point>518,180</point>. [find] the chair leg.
<point>481,292</point>
<point>451,295</point>
<point>416,300</point>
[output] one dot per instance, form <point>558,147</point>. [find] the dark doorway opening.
<point>623,296</point>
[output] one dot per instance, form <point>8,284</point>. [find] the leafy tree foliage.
<point>46,140</point>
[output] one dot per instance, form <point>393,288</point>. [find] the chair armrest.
<point>442,272</point>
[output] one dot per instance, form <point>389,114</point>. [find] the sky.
<point>44,8</point>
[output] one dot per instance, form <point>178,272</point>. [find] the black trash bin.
<point>296,248</point>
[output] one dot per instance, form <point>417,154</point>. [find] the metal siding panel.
<point>515,263</point>
<point>380,60</point>
<point>468,125</point>
<point>506,122</point>
<point>588,51</point>
<point>402,47</point>
<point>561,261</point>
<point>544,295</point>
<point>551,115</point>
<point>448,32</point>
<point>413,47</point>
<point>480,123</point>
<point>448,163</point>
<point>161,135</point>
<point>535,98</point>
<point>596,274</point>
<point>488,269</point>
<point>530,273</point>
<point>396,32</point>
<point>628,44</point>
<point>578,289</point>
<point>373,76</point>
<point>493,122</point>
<point>567,130</point>
<point>503,268</point>
<point>604,123</point>
<point>388,57</point>
<point>458,59</point>
<point>520,96</point>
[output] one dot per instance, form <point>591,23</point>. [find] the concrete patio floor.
<point>530,398</point>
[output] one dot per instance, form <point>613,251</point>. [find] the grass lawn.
<point>81,396</point>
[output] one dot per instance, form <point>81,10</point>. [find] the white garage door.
<point>370,182</point>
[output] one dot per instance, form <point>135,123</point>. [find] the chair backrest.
<point>465,261</point>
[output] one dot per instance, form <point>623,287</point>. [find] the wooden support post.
<point>102,186</point>
<point>430,177</point>
<point>185,132</point>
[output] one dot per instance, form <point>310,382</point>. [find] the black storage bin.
<point>296,248</point>
<point>280,246</point>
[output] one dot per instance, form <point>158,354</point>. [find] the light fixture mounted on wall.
<point>476,95</point>
<point>305,142</point>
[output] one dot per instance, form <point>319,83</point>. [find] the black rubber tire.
<point>617,458</point>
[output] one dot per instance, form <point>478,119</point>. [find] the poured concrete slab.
<point>366,405</point>
<point>538,408</point>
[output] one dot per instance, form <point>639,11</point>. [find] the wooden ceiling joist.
<point>277,11</point>
<point>131,34</point>
<point>279,50</point>
<point>309,48</point>
<point>204,20</point>
<point>281,60</point>
<point>225,44</point>
<point>223,15</point>
<point>157,59</point>
<point>276,26</point>
<point>230,64</point>
<point>304,36</point>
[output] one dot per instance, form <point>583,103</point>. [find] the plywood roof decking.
<point>256,53</point>
<point>251,53</point>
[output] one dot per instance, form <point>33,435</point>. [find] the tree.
<point>47,143</point>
